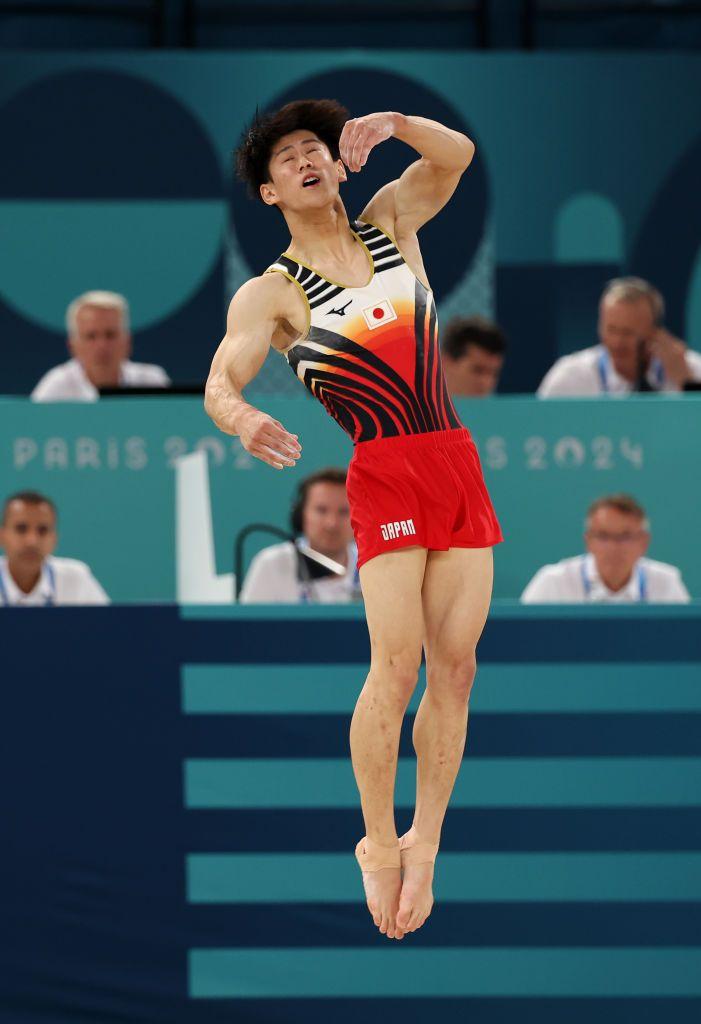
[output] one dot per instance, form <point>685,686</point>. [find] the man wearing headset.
<point>30,575</point>
<point>320,518</point>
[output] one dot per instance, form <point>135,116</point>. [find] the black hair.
<point>330,475</point>
<point>325,118</point>
<point>29,498</point>
<point>463,331</point>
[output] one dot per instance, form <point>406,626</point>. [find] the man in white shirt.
<point>321,519</point>
<point>635,352</point>
<point>29,574</point>
<point>100,345</point>
<point>614,570</point>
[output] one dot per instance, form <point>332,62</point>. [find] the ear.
<point>70,346</point>
<point>128,346</point>
<point>268,194</point>
<point>342,173</point>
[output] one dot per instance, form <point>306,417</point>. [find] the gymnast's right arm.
<point>250,324</point>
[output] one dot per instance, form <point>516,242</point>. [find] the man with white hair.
<point>615,569</point>
<point>635,354</point>
<point>100,345</point>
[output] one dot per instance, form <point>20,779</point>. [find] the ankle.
<point>423,834</point>
<point>386,839</point>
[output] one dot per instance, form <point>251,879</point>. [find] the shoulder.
<point>660,570</point>
<point>665,581</point>
<point>145,373</point>
<point>269,293</point>
<point>70,568</point>
<point>76,584</point>
<point>558,581</point>
<point>274,556</point>
<point>564,569</point>
<point>693,358</point>
<point>55,378</point>
<point>577,369</point>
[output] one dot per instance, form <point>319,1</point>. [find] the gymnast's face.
<point>303,174</point>
<point>326,519</point>
<point>623,327</point>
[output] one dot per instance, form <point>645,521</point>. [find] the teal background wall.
<point>109,468</point>
<point>122,162</point>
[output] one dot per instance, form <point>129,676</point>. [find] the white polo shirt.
<point>576,580</point>
<point>591,372</point>
<point>69,381</point>
<point>272,579</point>
<point>62,581</point>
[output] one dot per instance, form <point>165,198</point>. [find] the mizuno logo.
<point>404,528</point>
<point>342,310</point>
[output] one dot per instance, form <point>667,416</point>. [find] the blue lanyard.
<point>642,583</point>
<point>604,365</point>
<point>50,600</point>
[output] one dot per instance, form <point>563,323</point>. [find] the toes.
<point>403,917</point>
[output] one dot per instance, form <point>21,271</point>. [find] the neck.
<point>26,579</point>
<point>319,233</point>
<point>616,581</point>
<point>105,379</point>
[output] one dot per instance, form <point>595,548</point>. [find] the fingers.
<point>355,144</point>
<point>273,458</point>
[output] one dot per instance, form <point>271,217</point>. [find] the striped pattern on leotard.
<point>371,354</point>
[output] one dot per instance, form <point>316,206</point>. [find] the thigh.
<point>391,585</point>
<point>456,592</point>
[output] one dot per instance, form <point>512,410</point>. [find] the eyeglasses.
<point>614,538</point>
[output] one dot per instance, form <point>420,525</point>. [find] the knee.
<point>397,673</point>
<point>450,675</point>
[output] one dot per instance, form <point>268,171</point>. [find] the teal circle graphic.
<point>94,199</point>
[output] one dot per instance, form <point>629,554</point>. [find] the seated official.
<point>614,570</point>
<point>635,353</point>
<point>30,575</point>
<point>321,518</point>
<point>100,345</point>
<point>472,353</point>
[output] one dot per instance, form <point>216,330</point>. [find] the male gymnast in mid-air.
<point>350,308</point>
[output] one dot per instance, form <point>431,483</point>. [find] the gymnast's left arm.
<point>427,184</point>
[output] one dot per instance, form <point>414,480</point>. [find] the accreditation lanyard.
<point>640,575</point>
<point>604,367</point>
<point>48,601</point>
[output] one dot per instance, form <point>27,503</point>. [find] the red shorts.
<point>419,490</point>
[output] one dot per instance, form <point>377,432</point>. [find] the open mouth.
<point>310,181</point>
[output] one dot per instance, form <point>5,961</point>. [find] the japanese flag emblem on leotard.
<point>379,313</point>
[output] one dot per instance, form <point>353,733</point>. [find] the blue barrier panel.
<point>570,881</point>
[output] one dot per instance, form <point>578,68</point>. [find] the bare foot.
<point>416,899</point>
<point>382,887</point>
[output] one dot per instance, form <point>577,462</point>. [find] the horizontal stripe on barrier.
<point>323,689</point>
<point>500,608</point>
<point>545,782</point>
<point>305,689</point>
<point>624,925</point>
<point>626,638</point>
<point>476,1010</point>
<point>403,971</point>
<point>502,734</point>
<point>478,829</point>
<point>333,877</point>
